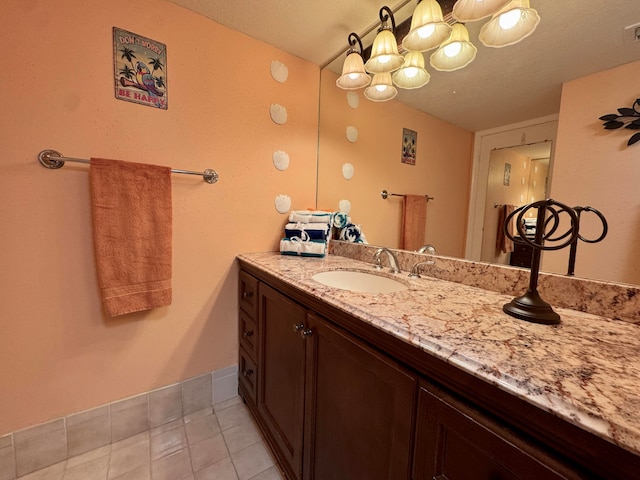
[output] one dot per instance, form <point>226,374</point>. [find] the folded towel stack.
<point>306,233</point>
<point>310,216</point>
<point>315,231</point>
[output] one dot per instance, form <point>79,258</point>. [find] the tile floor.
<point>219,443</point>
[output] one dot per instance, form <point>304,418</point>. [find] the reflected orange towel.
<point>503,243</point>
<point>131,209</point>
<point>414,219</point>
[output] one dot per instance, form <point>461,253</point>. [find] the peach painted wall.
<point>593,166</point>
<point>442,170</point>
<point>58,352</point>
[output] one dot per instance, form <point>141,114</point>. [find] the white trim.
<point>531,131</point>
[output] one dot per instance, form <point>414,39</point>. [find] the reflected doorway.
<point>518,175</point>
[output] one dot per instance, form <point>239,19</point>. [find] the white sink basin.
<point>357,281</point>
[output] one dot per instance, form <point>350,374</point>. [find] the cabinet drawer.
<point>456,442</point>
<point>248,333</point>
<point>247,376</point>
<point>248,294</point>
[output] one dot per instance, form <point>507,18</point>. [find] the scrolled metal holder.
<point>530,306</point>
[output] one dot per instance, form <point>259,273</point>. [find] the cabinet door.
<point>455,442</point>
<point>281,372</point>
<point>360,407</point>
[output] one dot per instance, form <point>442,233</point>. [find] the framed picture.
<point>507,174</point>
<point>409,144</point>
<point>140,69</point>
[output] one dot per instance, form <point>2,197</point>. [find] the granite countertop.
<point>584,370</point>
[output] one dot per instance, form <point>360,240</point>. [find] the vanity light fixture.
<point>511,24</point>
<point>381,88</point>
<point>384,52</point>
<point>471,10</point>
<point>428,28</point>
<point>412,74</point>
<point>353,73</point>
<point>456,52</point>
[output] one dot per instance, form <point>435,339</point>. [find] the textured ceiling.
<point>501,86</point>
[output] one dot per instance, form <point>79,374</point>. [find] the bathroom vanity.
<point>434,381</point>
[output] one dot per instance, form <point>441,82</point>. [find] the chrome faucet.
<point>393,260</point>
<point>415,270</point>
<point>430,249</point>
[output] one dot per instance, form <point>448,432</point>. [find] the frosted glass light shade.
<point>471,10</point>
<point>353,74</point>
<point>456,52</point>
<point>412,74</point>
<point>428,29</point>
<point>381,88</point>
<point>384,54</point>
<point>511,24</point>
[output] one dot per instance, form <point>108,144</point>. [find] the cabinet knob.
<point>297,327</point>
<point>248,372</point>
<point>306,333</point>
<point>247,334</point>
<point>247,294</point>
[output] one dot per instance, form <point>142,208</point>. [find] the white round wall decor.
<point>283,203</point>
<point>352,134</point>
<point>281,160</point>
<point>278,114</point>
<point>279,71</point>
<point>353,99</point>
<point>347,171</point>
<point>345,206</point>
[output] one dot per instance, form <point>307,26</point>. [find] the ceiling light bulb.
<point>452,49</point>
<point>426,31</point>
<point>381,88</point>
<point>354,76</point>
<point>510,19</point>
<point>411,72</point>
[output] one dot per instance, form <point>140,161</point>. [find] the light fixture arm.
<point>385,15</point>
<point>354,40</point>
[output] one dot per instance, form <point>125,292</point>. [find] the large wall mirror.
<point>497,103</point>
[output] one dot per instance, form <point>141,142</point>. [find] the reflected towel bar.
<point>53,159</point>
<point>384,194</point>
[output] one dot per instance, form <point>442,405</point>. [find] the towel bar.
<point>384,194</point>
<point>53,159</point>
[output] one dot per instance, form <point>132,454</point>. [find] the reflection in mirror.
<point>517,175</point>
<point>441,169</point>
<point>456,116</point>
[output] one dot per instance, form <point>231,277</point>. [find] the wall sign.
<point>507,175</point>
<point>409,145</point>
<point>140,68</point>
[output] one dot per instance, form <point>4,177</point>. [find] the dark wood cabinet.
<point>456,442</point>
<point>281,382</point>
<point>338,399</point>
<point>360,408</point>
<point>248,336</point>
<point>325,397</point>
<point>521,255</point>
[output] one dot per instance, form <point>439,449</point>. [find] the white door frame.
<point>523,133</point>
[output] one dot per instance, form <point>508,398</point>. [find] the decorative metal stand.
<point>574,245</point>
<point>531,306</point>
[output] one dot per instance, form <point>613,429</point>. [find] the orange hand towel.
<point>503,243</point>
<point>131,208</point>
<point>414,219</point>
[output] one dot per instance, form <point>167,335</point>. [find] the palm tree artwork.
<point>138,81</point>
